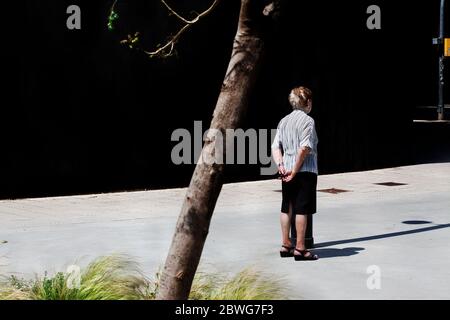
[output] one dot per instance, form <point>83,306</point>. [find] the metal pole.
<point>440,108</point>
<point>309,238</point>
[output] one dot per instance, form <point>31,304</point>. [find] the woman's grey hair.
<point>299,97</point>
<point>294,100</point>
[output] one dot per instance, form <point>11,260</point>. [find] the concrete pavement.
<point>403,231</point>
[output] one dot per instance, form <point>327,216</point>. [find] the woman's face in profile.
<point>309,106</point>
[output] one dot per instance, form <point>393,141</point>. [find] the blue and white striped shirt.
<point>297,130</point>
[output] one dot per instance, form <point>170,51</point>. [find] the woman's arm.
<point>301,155</point>
<point>278,154</point>
<point>306,144</point>
<point>278,157</point>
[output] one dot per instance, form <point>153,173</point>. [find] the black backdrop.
<point>82,113</point>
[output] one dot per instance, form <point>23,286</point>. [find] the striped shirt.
<point>297,130</point>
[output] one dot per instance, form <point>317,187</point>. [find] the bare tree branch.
<point>170,44</point>
<point>168,47</point>
<point>199,16</point>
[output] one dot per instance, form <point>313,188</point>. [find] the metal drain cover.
<point>391,184</point>
<point>333,190</point>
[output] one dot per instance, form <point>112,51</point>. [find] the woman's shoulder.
<point>311,119</point>
<point>308,120</point>
<point>284,119</point>
<point>297,118</point>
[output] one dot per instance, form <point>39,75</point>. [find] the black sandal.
<point>287,254</point>
<point>303,257</point>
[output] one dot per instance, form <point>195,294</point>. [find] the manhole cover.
<point>391,184</point>
<point>333,190</point>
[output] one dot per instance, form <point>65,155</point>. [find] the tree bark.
<point>204,189</point>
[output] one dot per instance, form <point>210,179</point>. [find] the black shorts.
<point>302,192</point>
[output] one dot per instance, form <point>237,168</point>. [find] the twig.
<point>188,23</point>
<point>199,16</point>
<point>167,49</point>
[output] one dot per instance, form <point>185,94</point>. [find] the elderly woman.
<point>295,152</point>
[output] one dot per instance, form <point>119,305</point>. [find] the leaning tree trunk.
<point>195,217</point>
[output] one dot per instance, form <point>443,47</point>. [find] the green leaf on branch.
<point>112,19</point>
<point>132,40</point>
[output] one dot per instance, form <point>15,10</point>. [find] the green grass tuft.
<point>119,278</point>
<point>248,284</point>
<point>107,278</point>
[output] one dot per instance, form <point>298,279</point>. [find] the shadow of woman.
<point>334,252</point>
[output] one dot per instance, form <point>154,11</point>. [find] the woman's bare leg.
<point>300,224</point>
<point>285,221</point>
<point>301,221</point>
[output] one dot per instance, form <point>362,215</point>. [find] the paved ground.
<point>402,230</point>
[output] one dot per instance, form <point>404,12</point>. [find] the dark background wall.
<point>81,113</point>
